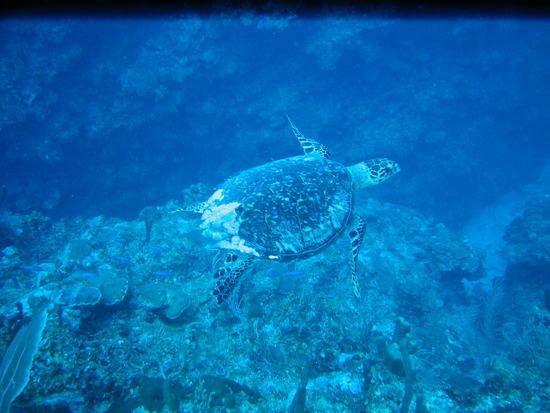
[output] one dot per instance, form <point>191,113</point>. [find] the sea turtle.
<point>287,210</point>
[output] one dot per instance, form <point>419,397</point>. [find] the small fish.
<point>158,249</point>
<point>272,273</point>
<point>163,274</point>
<point>118,240</point>
<point>30,268</point>
<point>122,260</point>
<point>84,275</point>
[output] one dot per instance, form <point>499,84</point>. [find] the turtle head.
<point>372,172</point>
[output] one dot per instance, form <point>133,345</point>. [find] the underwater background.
<point>108,126</point>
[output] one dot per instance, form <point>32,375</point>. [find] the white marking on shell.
<point>218,216</point>
<point>237,244</point>
<point>216,196</point>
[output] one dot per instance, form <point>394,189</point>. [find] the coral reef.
<point>528,237</point>
<point>134,326</point>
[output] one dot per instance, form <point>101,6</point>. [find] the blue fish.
<point>123,260</point>
<point>272,273</point>
<point>163,274</point>
<point>158,249</point>
<point>84,275</point>
<point>30,268</point>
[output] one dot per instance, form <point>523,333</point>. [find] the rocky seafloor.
<point>132,325</point>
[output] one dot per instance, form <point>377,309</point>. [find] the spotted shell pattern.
<point>290,208</point>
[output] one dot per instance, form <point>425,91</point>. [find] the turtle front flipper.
<point>229,273</point>
<point>356,233</point>
<point>310,146</point>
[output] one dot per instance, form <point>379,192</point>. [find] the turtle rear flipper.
<point>356,233</point>
<point>310,146</point>
<point>229,273</point>
<point>197,208</point>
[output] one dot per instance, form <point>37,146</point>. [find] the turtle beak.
<point>389,168</point>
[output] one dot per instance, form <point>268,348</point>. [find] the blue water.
<point>110,116</point>
<point>101,118</point>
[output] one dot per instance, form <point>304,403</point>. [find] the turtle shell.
<point>291,208</point>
